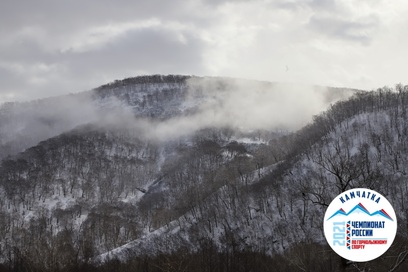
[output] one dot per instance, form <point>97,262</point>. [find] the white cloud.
<point>97,37</point>
<point>359,44</point>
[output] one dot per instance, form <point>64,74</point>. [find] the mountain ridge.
<point>108,189</point>
<point>360,207</point>
<point>160,97</point>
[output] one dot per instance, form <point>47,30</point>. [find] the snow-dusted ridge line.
<point>177,229</point>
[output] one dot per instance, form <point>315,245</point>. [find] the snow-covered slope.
<point>283,204</point>
<point>154,164</point>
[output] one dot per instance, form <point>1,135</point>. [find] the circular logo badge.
<point>360,225</point>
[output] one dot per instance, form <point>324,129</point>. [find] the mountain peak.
<point>358,209</point>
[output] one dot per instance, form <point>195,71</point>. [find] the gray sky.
<point>54,47</point>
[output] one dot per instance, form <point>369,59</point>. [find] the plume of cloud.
<point>25,124</point>
<point>243,105</point>
<point>209,103</point>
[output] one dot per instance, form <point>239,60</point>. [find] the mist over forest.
<point>173,173</point>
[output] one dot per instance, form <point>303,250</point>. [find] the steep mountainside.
<point>358,143</point>
<point>147,166</point>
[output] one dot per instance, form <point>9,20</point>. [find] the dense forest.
<point>102,195</point>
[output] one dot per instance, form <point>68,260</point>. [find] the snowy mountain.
<point>359,208</point>
<point>157,170</point>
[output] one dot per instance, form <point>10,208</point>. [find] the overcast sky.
<point>53,47</point>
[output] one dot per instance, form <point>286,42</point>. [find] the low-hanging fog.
<point>208,102</point>
<point>244,105</point>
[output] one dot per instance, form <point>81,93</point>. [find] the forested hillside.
<point>360,142</point>
<point>145,175</point>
